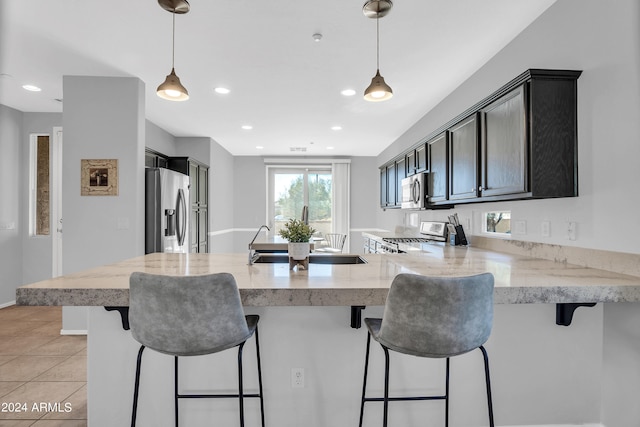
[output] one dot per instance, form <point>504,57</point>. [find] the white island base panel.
<point>542,374</point>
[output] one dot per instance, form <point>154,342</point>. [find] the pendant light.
<point>378,90</point>
<point>171,89</point>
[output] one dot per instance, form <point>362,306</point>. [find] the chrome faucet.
<point>253,255</point>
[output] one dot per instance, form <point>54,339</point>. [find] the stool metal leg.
<point>386,387</point>
<point>175,390</point>
<point>136,388</point>
<point>446,396</point>
<point>259,376</point>
<point>240,391</point>
<point>364,381</point>
<point>488,381</point>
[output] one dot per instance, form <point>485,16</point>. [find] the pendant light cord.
<point>378,40</point>
<point>173,42</point>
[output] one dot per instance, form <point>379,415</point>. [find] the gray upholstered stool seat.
<point>191,316</point>
<point>433,317</point>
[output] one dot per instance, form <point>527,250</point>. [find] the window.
<point>498,222</point>
<point>39,188</point>
<point>290,189</point>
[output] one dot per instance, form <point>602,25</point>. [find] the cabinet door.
<point>411,163</point>
<point>421,164</point>
<point>203,186</point>
<point>203,230</point>
<point>401,173</point>
<point>504,153</point>
<point>383,187</point>
<point>463,155</point>
<point>438,168</point>
<point>193,230</point>
<point>193,184</point>
<point>391,184</point>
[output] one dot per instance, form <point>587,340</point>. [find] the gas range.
<point>430,232</point>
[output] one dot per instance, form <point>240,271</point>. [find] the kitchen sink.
<point>266,258</point>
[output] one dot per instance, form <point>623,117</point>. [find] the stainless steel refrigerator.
<point>166,211</point>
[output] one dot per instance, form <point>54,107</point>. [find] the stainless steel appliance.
<point>430,231</point>
<point>166,214</point>
<point>414,191</point>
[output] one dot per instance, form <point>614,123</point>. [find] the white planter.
<point>299,251</point>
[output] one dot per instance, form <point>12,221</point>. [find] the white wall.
<point>364,199</point>
<point>222,197</point>
<point>103,119</point>
<point>10,211</point>
<point>603,40</point>
<point>159,140</point>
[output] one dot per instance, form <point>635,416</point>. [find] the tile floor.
<point>42,374</point>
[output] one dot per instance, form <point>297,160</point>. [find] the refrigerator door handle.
<point>181,217</point>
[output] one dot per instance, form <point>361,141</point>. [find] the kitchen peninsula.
<point>305,324</point>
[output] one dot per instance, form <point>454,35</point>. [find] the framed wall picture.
<point>99,177</point>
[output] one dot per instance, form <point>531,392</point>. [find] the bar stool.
<point>434,317</point>
<point>335,243</point>
<point>190,316</point>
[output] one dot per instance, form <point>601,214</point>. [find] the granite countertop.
<point>519,279</point>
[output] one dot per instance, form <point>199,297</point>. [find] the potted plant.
<point>298,234</point>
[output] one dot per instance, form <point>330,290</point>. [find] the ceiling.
<point>283,83</point>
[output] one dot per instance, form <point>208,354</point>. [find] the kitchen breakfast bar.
<point>542,373</point>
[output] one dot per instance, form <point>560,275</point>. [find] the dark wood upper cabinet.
<point>504,145</point>
<point>417,160</point>
<point>421,164</point>
<point>518,143</point>
<point>401,173</point>
<point>391,185</point>
<point>383,187</point>
<point>463,159</point>
<point>438,168</point>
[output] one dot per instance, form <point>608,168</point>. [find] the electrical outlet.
<point>545,229</point>
<point>571,230</point>
<point>297,377</point>
<point>520,227</point>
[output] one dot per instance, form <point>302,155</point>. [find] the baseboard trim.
<point>73,332</point>
<point>8,304</point>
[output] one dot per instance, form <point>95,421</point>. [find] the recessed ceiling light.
<point>317,37</point>
<point>336,127</point>
<point>348,92</point>
<point>222,90</point>
<point>329,148</point>
<point>247,127</point>
<point>259,147</point>
<point>31,88</point>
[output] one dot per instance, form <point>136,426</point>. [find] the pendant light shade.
<point>171,89</point>
<point>378,90</point>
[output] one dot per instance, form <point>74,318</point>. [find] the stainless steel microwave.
<point>414,192</point>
